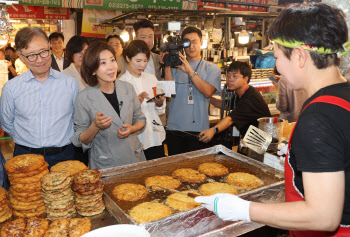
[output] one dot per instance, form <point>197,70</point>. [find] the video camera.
<point>173,46</point>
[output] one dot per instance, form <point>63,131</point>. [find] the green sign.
<point>46,3</point>
<point>132,5</point>
<point>125,5</point>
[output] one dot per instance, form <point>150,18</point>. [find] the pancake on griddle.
<point>213,169</point>
<point>242,180</point>
<point>149,211</point>
<point>216,187</point>
<point>130,192</point>
<point>162,180</point>
<point>189,175</point>
<point>182,202</point>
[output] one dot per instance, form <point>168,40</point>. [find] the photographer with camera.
<point>196,81</point>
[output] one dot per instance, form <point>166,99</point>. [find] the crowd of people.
<point>95,102</point>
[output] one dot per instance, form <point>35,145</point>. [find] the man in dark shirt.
<point>250,105</point>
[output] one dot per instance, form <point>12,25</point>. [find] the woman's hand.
<point>142,96</point>
<point>128,129</point>
<point>101,121</point>
<point>159,100</point>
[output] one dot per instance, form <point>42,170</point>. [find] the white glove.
<point>282,151</point>
<point>226,206</point>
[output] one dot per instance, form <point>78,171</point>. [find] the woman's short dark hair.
<point>191,29</point>
<point>315,24</point>
<point>241,67</point>
<point>75,45</point>
<point>116,36</point>
<point>135,47</point>
<point>25,35</point>
<point>91,61</point>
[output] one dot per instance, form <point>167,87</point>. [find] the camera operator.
<point>196,81</point>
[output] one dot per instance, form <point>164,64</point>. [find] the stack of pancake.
<point>25,172</point>
<point>88,192</point>
<point>5,209</point>
<point>58,195</point>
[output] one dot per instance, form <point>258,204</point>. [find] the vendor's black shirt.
<point>321,141</point>
<point>113,100</point>
<point>249,108</point>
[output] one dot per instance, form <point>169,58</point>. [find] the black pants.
<point>154,152</point>
<point>82,156</point>
<point>179,142</point>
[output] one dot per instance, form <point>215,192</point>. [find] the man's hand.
<point>185,66</point>
<point>142,96</point>
<point>101,121</point>
<point>128,129</point>
<point>226,206</point>
<point>206,135</point>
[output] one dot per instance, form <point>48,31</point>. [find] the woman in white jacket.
<point>137,55</point>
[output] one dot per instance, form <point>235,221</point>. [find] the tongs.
<point>191,195</point>
<point>155,123</point>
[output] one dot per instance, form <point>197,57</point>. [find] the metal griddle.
<point>199,220</point>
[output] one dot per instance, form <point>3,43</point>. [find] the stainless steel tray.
<point>197,221</point>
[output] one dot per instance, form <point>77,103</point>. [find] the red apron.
<point>292,194</point>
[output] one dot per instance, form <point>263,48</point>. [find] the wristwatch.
<point>216,129</point>
<point>193,74</point>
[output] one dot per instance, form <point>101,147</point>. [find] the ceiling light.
<point>243,37</point>
<point>125,35</point>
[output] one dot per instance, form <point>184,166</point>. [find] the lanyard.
<point>189,79</point>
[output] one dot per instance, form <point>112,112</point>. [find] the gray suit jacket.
<point>123,65</point>
<point>107,150</point>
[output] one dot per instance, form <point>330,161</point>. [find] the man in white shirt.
<point>59,62</point>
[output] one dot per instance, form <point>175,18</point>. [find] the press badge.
<point>190,96</point>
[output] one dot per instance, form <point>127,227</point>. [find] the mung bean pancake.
<point>182,202</point>
<point>149,211</point>
<point>244,180</point>
<point>30,173</point>
<point>24,163</point>
<point>58,228</point>
<point>189,175</point>
<point>216,187</point>
<point>130,192</point>
<point>54,178</point>
<point>79,226</point>
<point>162,180</point>
<point>73,166</point>
<point>14,228</point>
<point>213,169</point>
<point>36,227</point>
<point>87,176</point>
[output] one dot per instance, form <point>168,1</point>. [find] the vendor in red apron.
<point>310,39</point>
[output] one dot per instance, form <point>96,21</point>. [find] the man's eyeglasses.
<point>34,57</point>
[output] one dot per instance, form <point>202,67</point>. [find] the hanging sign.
<point>37,12</point>
<point>91,18</point>
<point>128,5</point>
